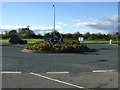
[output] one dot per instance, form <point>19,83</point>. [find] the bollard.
<point>110,41</point>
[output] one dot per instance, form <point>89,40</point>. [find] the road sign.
<point>80,38</point>
<point>55,40</point>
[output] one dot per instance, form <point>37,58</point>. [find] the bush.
<point>69,45</point>
<point>72,42</point>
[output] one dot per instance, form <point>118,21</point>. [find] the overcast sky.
<point>93,17</point>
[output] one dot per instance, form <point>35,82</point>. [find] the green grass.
<point>5,41</point>
<point>104,42</point>
<point>33,40</point>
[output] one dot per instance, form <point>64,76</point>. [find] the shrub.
<point>69,45</point>
<point>72,42</point>
<point>56,47</point>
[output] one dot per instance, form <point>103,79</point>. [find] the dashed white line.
<point>56,80</point>
<point>11,72</point>
<point>57,72</point>
<point>103,70</point>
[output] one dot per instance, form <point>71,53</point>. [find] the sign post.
<point>55,38</point>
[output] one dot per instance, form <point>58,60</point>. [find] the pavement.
<point>79,67</point>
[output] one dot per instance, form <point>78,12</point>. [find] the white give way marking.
<point>59,81</point>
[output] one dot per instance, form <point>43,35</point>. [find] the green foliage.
<point>73,45</point>
<point>12,33</point>
<point>87,35</point>
<point>56,47</point>
<point>25,33</point>
<point>38,46</point>
<point>53,34</point>
<point>72,42</point>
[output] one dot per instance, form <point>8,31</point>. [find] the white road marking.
<point>57,72</point>
<point>58,54</point>
<point>56,80</point>
<point>11,72</point>
<point>103,70</point>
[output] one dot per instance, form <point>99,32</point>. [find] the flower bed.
<point>68,46</point>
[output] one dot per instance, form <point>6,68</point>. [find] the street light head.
<point>53,5</point>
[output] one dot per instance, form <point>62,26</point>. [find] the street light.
<point>54,19</point>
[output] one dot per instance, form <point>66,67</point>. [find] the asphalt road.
<point>79,66</point>
<point>104,57</point>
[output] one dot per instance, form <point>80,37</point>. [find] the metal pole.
<point>54,20</point>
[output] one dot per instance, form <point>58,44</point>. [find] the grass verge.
<point>5,41</point>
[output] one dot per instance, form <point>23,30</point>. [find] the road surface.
<point>102,57</point>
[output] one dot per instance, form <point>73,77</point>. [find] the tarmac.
<point>39,70</point>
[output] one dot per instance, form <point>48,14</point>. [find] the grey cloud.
<point>108,24</point>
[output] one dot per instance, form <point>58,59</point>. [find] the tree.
<point>25,33</point>
<point>4,36</point>
<point>87,35</point>
<point>39,36</point>
<point>113,37</point>
<point>93,36</point>
<point>105,37</point>
<point>99,36</point>
<point>76,35</point>
<point>68,36</point>
<point>12,33</point>
<point>117,36</point>
<point>47,35</point>
<point>55,34</point>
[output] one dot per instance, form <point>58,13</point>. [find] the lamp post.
<point>54,20</point>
